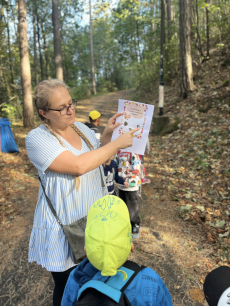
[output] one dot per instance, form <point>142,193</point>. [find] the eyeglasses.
<point>64,111</point>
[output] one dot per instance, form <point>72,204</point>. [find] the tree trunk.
<point>28,114</point>
<point>207,28</point>
<point>57,41</point>
<point>152,16</point>
<point>91,49</point>
<point>17,32</point>
<point>164,7</point>
<point>7,84</point>
<point>3,68</point>
<point>138,41</point>
<point>35,43</point>
<point>2,26</point>
<point>46,52</point>
<point>169,19</point>
<point>169,35</point>
<point>186,73</point>
<point>199,46</point>
<point>10,51</point>
<point>39,47</point>
<point>65,66</point>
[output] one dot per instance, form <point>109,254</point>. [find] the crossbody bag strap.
<point>102,181</point>
<point>50,204</point>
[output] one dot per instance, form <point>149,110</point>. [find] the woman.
<point>69,172</point>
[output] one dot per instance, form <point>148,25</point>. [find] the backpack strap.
<point>131,266</point>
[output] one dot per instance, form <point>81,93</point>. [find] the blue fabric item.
<point>8,143</point>
<point>111,175</point>
<point>117,281</point>
<point>147,288</point>
<point>112,287</point>
<point>103,288</point>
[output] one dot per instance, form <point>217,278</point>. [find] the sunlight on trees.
<point>125,44</point>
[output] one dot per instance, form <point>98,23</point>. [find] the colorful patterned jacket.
<point>130,169</point>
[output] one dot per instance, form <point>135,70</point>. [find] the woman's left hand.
<point>111,125</point>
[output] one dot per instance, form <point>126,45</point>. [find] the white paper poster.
<point>136,114</point>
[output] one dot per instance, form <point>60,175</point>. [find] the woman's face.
<point>60,100</point>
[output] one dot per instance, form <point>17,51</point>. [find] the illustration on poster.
<point>134,116</point>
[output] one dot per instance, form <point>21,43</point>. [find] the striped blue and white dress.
<point>48,245</point>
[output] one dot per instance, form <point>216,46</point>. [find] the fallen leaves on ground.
<point>17,175</point>
<point>193,163</point>
<point>197,295</point>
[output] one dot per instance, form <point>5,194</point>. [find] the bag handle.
<point>50,204</point>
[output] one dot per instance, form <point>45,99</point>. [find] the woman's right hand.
<point>126,140</point>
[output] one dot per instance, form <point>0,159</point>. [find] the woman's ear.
<point>84,250</point>
<point>43,113</point>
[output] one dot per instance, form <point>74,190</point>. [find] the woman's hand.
<point>111,125</point>
<point>68,163</point>
<point>126,140</point>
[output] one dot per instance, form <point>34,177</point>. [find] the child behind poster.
<point>111,175</point>
<point>129,168</point>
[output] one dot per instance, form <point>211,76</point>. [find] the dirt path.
<point>174,249</point>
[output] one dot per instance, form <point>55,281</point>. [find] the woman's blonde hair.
<point>42,94</point>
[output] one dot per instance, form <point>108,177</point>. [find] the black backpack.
<point>97,293</point>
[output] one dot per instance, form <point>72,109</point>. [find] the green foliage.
<point>126,41</point>
<point>9,111</point>
<point>201,162</point>
<point>79,92</point>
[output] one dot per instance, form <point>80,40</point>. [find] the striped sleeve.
<point>42,148</point>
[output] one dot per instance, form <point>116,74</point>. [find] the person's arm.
<point>118,178</point>
<point>108,131</point>
<point>69,163</point>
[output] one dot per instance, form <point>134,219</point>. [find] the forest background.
<point>119,49</point>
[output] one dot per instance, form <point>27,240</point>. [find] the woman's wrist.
<point>107,133</point>
<point>117,144</point>
<point>106,138</point>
